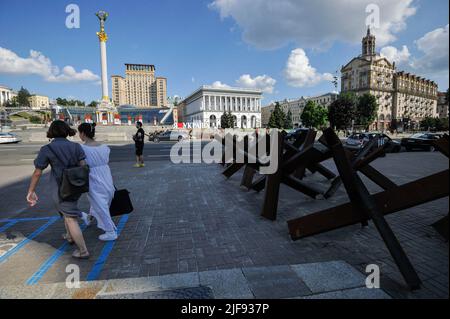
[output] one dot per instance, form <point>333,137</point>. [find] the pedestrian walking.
<point>61,154</point>
<point>101,186</point>
<point>139,145</point>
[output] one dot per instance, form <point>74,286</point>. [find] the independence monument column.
<point>105,112</point>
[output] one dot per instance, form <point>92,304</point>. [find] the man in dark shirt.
<point>139,144</point>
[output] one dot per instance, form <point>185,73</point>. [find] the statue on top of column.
<point>102,16</point>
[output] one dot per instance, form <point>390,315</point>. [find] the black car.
<point>357,141</point>
<point>293,134</point>
<point>420,141</point>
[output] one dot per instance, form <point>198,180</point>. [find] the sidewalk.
<point>331,280</point>
<point>189,220</point>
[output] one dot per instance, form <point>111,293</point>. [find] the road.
<point>24,154</point>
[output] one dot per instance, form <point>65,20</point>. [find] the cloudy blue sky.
<point>288,48</point>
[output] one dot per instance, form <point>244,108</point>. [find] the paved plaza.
<point>194,234</point>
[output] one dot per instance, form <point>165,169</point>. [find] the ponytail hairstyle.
<point>87,129</point>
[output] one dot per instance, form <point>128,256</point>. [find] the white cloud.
<point>300,73</point>
<point>220,85</point>
<point>435,47</point>
<point>39,64</point>
<point>312,24</point>
<point>262,82</point>
<point>394,55</point>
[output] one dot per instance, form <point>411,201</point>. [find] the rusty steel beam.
<point>301,186</point>
<point>368,207</point>
<point>378,178</point>
<point>271,195</point>
<point>405,196</point>
<point>247,177</point>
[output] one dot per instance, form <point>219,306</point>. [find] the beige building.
<point>296,106</point>
<point>399,95</point>
<point>442,106</point>
<point>38,102</point>
<point>140,87</point>
<point>414,97</point>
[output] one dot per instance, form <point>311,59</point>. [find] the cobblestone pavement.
<point>189,219</point>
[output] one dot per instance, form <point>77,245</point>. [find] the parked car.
<point>357,141</point>
<point>420,141</point>
<point>9,138</point>
<point>170,135</point>
<point>293,134</point>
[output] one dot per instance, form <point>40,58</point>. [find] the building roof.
<point>223,90</point>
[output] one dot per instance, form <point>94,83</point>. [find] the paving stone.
<point>275,282</point>
<point>182,293</point>
<point>226,283</point>
<point>355,293</point>
<point>329,276</point>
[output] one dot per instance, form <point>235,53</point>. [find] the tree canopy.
<point>277,118</point>
<point>314,115</point>
<point>343,111</point>
<point>23,97</point>
<point>227,120</point>
<point>288,124</point>
<point>66,102</point>
<point>366,112</point>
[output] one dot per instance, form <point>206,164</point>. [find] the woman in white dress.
<point>101,186</point>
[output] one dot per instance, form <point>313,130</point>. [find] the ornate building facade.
<point>401,96</point>
<point>206,106</point>
<point>140,87</point>
<point>296,106</point>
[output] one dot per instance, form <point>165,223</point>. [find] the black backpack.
<point>74,181</point>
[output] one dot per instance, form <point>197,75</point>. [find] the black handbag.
<point>121,203</point>
<point>74,181</point>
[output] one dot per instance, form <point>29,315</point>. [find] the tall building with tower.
<point>140,87</point>
<point>402,97</point>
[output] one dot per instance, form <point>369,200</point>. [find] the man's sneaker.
<point>86,218</point>
<point>137,165</point>
<point>142,165</point>
<point>108,236</point>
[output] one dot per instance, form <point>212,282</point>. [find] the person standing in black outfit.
<point>139,145</point>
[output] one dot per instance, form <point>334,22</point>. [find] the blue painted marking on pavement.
<point>24,219</point>
<point>34,279</point>
<point>8,225</point>
<point>28,239</point>
<point>98,266</point>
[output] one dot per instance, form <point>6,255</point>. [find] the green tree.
<point>227,120</point>
<point>442,124</point>
<point>288,124</point>
<point>314,115</point>
<point>277,118</point>
<point>65,102</point>
<point>343,111</point>
<point>11,103</point>
<point>93,104</point>
<point>367,110</point>
<point>428,124</point>
<point>23,97</point>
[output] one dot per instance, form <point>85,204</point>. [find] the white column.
<point>105,93</point>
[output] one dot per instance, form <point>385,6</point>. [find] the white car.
<point>8,138</point>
